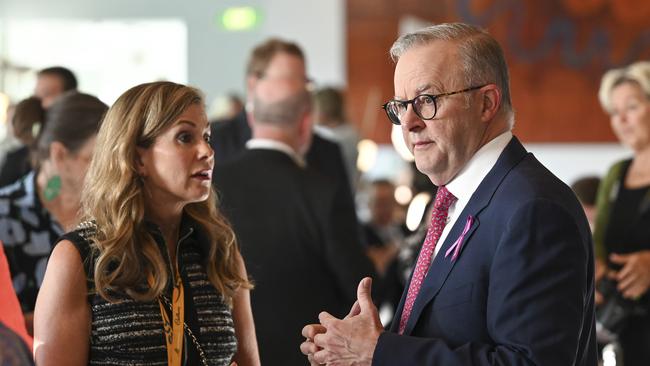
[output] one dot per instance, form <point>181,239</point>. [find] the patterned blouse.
<point>28,232</point>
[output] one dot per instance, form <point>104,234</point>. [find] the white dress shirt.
<point>469,178</point>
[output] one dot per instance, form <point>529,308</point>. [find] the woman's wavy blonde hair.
<point>113,196</point>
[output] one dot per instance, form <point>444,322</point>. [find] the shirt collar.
<point>469,178</point>
<point>269,144</point>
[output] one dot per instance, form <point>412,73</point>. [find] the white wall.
<point>216,58</point>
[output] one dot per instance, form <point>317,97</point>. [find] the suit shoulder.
<point>530,181</point>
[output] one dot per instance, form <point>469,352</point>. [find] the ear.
<point>491,102</point>
<point>140,166</point>
<point>251,83</point>
<point>58,154</point>
<point>305,132</point>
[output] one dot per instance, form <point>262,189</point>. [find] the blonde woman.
<point>153,276</point>
<point>622,230</point>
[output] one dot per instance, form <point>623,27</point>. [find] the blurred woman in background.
<point>154,276</point>
<point>622,232</point>
<point>27,120</point>
<point>38,208</point>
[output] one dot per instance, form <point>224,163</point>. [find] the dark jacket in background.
<point>302,259</point>
<point>229,140</point>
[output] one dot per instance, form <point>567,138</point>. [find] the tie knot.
<point>444,199</point>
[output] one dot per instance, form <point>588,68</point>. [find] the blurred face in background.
<point>74,164</point>
<point>48,88</point>
<point>285,67</point>
<point>630,115</point>
<point>382,204</point>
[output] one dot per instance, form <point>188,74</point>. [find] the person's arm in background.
<point>62,314</point>
<point>10,312</point>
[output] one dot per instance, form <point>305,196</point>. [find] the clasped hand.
<point>634,276</point>
<point>348,341</point>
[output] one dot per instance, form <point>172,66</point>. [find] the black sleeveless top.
<point>628,230</point>
<point>129,332</point>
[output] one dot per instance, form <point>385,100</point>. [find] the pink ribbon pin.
<point>455,248</point>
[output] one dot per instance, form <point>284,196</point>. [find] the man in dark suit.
<point>283,214</point>
<point>276,58</point>
<point>505,276</point>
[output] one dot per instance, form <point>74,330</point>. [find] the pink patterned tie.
<point>444,199</point>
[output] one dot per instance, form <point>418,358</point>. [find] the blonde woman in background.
<point>622,230</point>
<point>154,275</point>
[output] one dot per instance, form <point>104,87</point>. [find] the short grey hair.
<point>481,56</point>
<point>283,112</point>
<point>638,72</point>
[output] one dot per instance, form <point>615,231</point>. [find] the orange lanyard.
<point>174,327</point>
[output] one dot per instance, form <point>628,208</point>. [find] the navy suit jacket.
<point>520,292</point>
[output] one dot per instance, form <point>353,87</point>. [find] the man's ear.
<point>58,154</point>
<point>306,131</point>
<point>491,102</point>
<point>251,84</point>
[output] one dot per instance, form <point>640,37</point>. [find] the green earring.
<point>52,188</point>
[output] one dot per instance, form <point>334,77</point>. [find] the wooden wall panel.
<point>557,51</point>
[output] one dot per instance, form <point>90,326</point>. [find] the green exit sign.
<point>240,18</point>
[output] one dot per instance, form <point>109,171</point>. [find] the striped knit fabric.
<point>131,332</point>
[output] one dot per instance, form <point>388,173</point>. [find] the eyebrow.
<point>188,122</point>
<point>184,121</point>
<point>422,88</point>
<point>418,91</point>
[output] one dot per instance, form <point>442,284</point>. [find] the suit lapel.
<point>441,266</point>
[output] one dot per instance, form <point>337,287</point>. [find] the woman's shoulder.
<point>617,168</point>
<point>66,251</point>
<point>80,240</point>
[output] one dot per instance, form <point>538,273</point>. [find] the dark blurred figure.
<point>586,189</point>
<point>622,230</point>
<point>13,351</point>
<point>283,213</point>
<point>27,120</point>
<point>52,82</point>
<point>36,209</point>
<point>383,235</point>
<point>331,123</point>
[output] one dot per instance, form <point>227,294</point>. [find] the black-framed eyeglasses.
<point>424,105</point>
